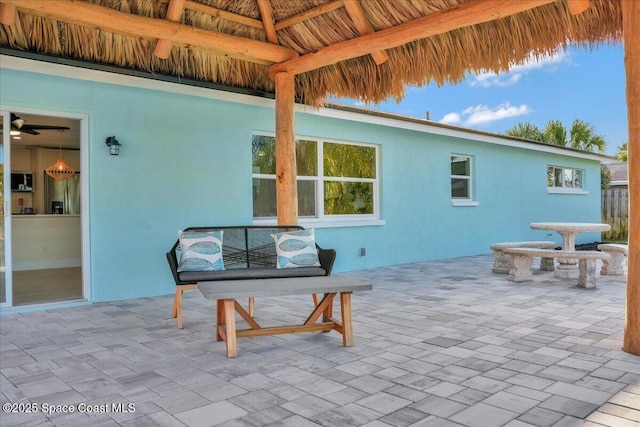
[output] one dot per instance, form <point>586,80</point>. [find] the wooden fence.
<point>615,212</point>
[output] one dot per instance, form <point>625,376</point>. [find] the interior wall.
<point>46,241</point>
<point>186,161</point>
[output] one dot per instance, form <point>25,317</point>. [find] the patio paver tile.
<point>483,415</point>
<point>437,343</point>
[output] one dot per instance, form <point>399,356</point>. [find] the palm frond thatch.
<point>443,58</point>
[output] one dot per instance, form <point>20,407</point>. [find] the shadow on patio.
<point>438,343</point>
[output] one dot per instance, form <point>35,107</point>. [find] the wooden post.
<point>7,14</point>
<point>286,186</point>
<point>631,34</point>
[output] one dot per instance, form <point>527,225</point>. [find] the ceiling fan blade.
<point>29,131</point>
<point>43,127</point>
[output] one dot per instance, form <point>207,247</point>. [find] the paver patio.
<point>438,343</point>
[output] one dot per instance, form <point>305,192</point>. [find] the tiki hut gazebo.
<point>307,50</point>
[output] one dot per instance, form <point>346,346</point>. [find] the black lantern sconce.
<point>114,145</point>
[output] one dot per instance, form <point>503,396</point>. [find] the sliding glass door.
<point>5,213</point>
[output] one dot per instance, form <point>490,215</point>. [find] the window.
<point>565,180</point>
<point>336,180</point>
<point>462,180</point>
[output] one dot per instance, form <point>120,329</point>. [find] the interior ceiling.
<point>49,138</point>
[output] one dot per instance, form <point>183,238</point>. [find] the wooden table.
<point>227,292</point>
<point>569,231</point>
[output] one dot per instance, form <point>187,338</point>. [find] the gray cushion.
<point>250,273</point>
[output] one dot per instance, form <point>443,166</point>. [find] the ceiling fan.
<point>19,125</point>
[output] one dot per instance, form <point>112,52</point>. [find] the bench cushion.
<point>250,273</point>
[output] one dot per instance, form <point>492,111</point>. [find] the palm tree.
<point>582,135</point>
<point>555,133</point>
<point>621,154</point>
<point>526,130</point>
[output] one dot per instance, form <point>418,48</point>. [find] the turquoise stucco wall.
<point>186,161</point>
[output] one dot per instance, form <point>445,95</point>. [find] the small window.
<point>462,179</point>
<point>565,180</point>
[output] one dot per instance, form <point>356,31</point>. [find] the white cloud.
<point>516,72</point>
<point>482,114</point>
<point>451,119</point>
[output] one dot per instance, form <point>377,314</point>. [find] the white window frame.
<point>464,201</point>
<point>566,190</point>
<point>321,219</point>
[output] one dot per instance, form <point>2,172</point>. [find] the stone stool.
<point>614,266</point>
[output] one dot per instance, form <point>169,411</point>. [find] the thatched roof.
<point>305,28</point>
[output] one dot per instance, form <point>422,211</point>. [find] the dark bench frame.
<point>244,263</point>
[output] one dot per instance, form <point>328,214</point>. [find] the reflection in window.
<point>569,178</point>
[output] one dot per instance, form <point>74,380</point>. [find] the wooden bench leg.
<point>347,326</point>
<point>219,319</point>
<point>230,327</point>
<point>177,302</point>
<point>587,273</point>
<point>251,307</point>
<point>328,313</point>
<point>521,271</point>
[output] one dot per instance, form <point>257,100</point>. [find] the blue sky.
<point>579,83</point>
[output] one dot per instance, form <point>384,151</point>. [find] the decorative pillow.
<point>296,249</point>
<point>201,251</point>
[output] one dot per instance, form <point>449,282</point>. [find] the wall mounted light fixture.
<point>114,145</point>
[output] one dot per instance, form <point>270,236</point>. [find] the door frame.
<point>6,190</point>
<point>84,196</point>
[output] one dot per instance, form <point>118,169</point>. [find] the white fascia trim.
<point>60,70</point>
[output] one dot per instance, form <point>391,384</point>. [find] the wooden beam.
<point>106,19</point>
<point>631,34</point>
<point>308,14</point>
<point>356,13</point>
<point>267,21</point>
<point>219,13</point>
<point>223,14</point>
<point>7,14</point>
<point>286,185</point>
<point>576,7</point>
<point>174,13</point>
<point>467,14</point>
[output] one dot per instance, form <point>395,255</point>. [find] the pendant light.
<point>60,170</point>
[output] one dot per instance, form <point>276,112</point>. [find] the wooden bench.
<point>248,252</point>
<point>523,260</point>
<point>226,294</point>
<point>617,252</point>
<point>502,262</point>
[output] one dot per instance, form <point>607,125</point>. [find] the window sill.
<point>314,223</point>
<point>464,203</point>
<point>552,190</point>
